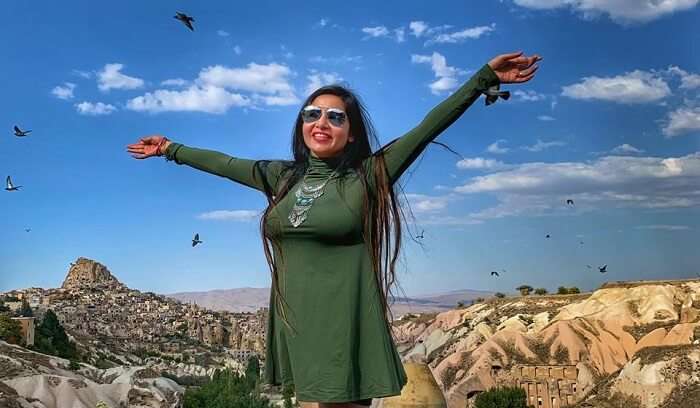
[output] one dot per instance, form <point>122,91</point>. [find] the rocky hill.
<point>635,345</point>
<point>85,273</point>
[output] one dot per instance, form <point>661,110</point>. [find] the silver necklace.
<point>306,195</point>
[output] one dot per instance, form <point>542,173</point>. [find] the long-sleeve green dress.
<point>342,349</point>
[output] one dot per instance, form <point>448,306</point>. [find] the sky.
<point>611,120</point>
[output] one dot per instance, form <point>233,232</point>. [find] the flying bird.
<point>493,93</point>
<point>27,229</point>
<point>494,273</point>
<point>581,242</point>
<point>421,234</point>
<point>547,236</point>
<point>569,202</point>
<point>19,132</point>
<point>196,240</point>
<point>589,267</point>
<point>603,269</point>
<point>448,148</point>
<point>186,20</point>
<point>10,186</point>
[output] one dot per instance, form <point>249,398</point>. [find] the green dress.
<point>342,349</point>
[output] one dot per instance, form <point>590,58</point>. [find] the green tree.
<point>252,370</point>
<point>3,307</point>
<point>562,290</point>
<point>460,304</point>
<point>540,291</point>
<point>499,295</point>
<point>574,290</point>
<point>227,389</point>
<point>524,289</point>
<point>10,330</point>
<point>287,394</point>
<point>26,310</point>
<point>51,338</point>
<point>502,397</point>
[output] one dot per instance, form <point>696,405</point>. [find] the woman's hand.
<point>148,146</point>
<point>514,67</point>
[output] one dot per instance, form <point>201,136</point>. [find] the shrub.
<point>499,295</point>
<point>10,330</point>
<point>524,289</point>
<point>540,291</point>
<point>502,397</point>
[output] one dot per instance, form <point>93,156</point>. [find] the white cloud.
<point>546,118</point>
<point>417,28</point>
<point>230,215</point>
<point>688,80</point>
<point>421,203</point>
<point>237,50</point>
<point>346,59</point>
<point>496,148</point>
<point>84,74</point>
<point>664,227</point>
<point>632,87</point>
<point>111,78</point>
<point>218,88</point>
<point>446,75</point>
<point>529,96</point>
<point>322,22</point>
<point>626,149</point>
<point>399,34</point>
<point>174,82</point>
<point>64,92</point>
<point>319,79</point>
<point>222,33</point>
<point>682,120</point>
<point>378,31</point>
<point>609,182</point>
<point>196,98</point>
<point>540,145</point>
<point>461,36</point>
<point>94,109</point>
<point>270,78</point>
<point>620,11</point>
<point>480,163</point>
<point>286,53</point>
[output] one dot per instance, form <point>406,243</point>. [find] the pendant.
<point>305,199</point>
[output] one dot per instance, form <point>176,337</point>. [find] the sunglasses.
<point>312,113</point>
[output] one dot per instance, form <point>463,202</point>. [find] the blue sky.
<point>611,120</point>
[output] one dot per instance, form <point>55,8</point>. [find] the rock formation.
<point>86,273</point>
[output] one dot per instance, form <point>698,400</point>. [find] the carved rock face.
<point>86,273</point>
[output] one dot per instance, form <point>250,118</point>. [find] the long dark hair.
<point>381,212</point>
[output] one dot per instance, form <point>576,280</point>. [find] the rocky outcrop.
<point>31,379</point>
<point>86,273</point>
<point>596,338</point>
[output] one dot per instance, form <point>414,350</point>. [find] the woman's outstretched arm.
<point>505,68</point>
<point>401,152</point>
<point>257,174</point>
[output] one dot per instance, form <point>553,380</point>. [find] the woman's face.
<point>324,139</point>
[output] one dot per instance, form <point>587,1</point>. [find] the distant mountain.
<point>251,299</point>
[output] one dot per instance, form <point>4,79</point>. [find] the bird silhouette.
<point>27,229</point>
<point>547,236</point>
<point>448,148</point>
<point>589,267</point>
<point>603,269</point>
<point>569,202</point>
<point>492,94</point>
<point>494,273</point>
<point>196,240</point>
<point>10,186</point>
<point>580,242</point>
<point>421,234</point>
<point>186,20</point>
<point>19,132</point>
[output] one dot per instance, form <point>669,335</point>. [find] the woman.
<point>332,233</point>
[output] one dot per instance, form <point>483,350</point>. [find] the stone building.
<point>547,386</point>
<point>27,324</point>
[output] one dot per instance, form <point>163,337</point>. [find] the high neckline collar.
<point>323,165</point>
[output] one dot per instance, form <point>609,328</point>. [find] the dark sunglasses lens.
<point>310,114</point>
<point>336,118</point>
